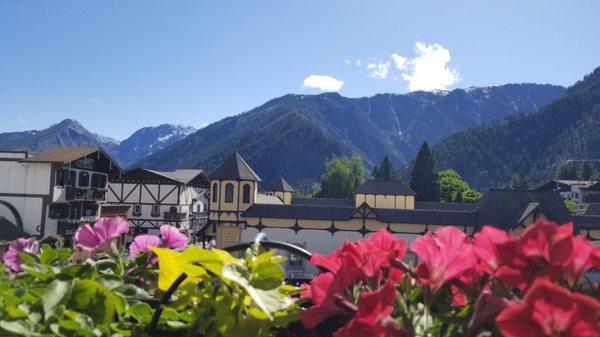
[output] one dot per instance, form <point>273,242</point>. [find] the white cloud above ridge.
<point>379,69</point>
<point>324,83</point>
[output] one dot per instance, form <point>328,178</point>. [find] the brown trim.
<point>11,159</point>
<point>150,193</point>
<point>24,195</point>
<point>168,194</point>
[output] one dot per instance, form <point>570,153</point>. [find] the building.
<point>149,199</point>
<point>238,212</point>
<point>53,192</point>
<point>570,189</point>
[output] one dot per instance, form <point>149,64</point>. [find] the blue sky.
<point>120,65</point>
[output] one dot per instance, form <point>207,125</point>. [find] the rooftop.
<point>384,188</point>
<point>235,168</point>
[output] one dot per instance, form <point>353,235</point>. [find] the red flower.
<point>551,310</point>
<point>583,253</point>
<point>445,256</point>
<point>487,307</point>
<point>485,243</point>
<point>544,250</point>
<point>372,316</point>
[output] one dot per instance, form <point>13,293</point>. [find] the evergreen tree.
<point>570,171</point>
<point>587,172</point>
<point>343,175</point>
<point>519,182</point>
<point>423,177</point>
<point>385,171</point>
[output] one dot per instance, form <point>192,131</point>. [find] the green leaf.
<point>16,327</point>
<point>267,275</point>
<point>26,258</point>
<point>57,293</point>
<point>93,299</point>
<point>142,312</point>
<point>38,271</point>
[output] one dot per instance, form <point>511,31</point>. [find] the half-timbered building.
<point>154,198</point>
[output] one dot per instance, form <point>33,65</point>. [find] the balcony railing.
<point>66,227</point>
<point>174,216</point>
<point>88,194</point>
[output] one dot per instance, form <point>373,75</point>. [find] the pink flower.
<point>104,230</point>
<point>172,238</point>
<point>11,257</point>
<point>445,256</point>
<point>485,243</point>
<point>583,253</point>
<point>142,243</point>
<point>551,310</point>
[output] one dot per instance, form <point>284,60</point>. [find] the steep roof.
<point>322,202</point>
<point>65,155</point>
<point>298,212</point>
<point>235,168</point>
<point>503,208</point>
<point>447,206</point>
<point>184,177</point>
<point>281,185</point>
<point>594,187</point>
<point>384,188</point>
<point>426,216</point>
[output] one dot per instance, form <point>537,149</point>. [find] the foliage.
<point>423,177</point>
<point>571,206</point>
<point>532,144</point>
<point>492,284</point>
<point>519,182</point>
<point>453,189</point>
<point>385,171</point>
<point>51,295</point>
<point>342,177</point>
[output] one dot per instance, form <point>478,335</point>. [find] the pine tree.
<point>423,177</point>
<point>385,171</point>
<point>587,172</point>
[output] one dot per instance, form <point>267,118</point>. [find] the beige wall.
<point>385,201</point>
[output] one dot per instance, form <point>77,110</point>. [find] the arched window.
<point>229,193</point>
<point>246,194</point>
<point>215,192</point>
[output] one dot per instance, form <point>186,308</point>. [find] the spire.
<point>235,168</point>
<point>281,185</point>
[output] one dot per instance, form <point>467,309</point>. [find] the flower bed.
<point>492,284</point>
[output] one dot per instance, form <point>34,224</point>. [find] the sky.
<point>117,66</point>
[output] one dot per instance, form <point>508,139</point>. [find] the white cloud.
<point>322,82</point>
<point>347,61</point>
<point>429,70</point>
<point>358,62</point>
<point>379,70</point>
<point>400,61</point>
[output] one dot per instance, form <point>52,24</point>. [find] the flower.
<point>544,249</point>
<point>372,315</point>
<point>322,292</point>
<point>485,243</point>
<point>172,238</point>
<point>583,253</point>
<point>445,256</point>
<point>11,258</point>
<point>486,308</point>
<point>551,310</point>
<point>142,243</point>
<point>105,229</point>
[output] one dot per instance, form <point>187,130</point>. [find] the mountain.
<point>532,145</point>
<point>294,135</point>
<point>148,140</point>
<point>66,133</point>
<point>70,132</point>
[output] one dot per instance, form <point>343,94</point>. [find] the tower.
<point>233,188</point>
<point>282,190</point>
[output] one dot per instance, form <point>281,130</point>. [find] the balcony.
<point>85,194</point>
<point>174,216</point>
<point>66,227</point>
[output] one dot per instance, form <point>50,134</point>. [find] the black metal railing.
<point>66,227</point>
<point>88,194</point>
<point>174,216</point>
<point>158,304</point>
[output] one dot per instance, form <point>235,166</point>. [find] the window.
<point>246,194</point>
<point>137,210</point>
<point>215,192</point>
<point>98,180</point>
<point>296,261</point>
<point>62,176</point>
<point>229,193</point>
<point>155,210</point>
<point>84,179</point>
<point>72,178</point>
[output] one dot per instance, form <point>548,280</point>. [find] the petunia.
<point>142,243</point>
<point>445,256</point>
<point>372,318</point>
<point>551,310</point>
<point>172,238</point>
<point>544,249</point>
<point>583,252</point>
<point>11,258</point>
<point>104,230</point>
<point>485,243</point>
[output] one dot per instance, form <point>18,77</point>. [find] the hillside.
<point>294,135</point>
<point>568,128</point>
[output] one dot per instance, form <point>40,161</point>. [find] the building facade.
<point>574,190</point>
<point>150,199</point>
<point>238,212</point>
<point>53,192</point>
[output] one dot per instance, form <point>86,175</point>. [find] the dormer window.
<point>229,193</point>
